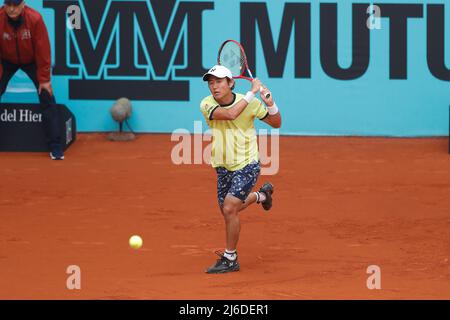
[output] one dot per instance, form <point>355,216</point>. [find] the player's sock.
<point>230,254</point>
<point>260,197</point>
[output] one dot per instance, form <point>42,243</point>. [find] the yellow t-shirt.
<point>234,143</point>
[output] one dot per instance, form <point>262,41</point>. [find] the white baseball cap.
<point>219,72</point>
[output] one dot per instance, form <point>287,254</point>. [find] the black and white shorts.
<point>238,183</point>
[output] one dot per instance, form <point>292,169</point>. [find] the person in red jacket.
<point>25,45</point>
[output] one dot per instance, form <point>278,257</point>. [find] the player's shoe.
<point>56,152</point>
<point>223,265</point>
<point>267,189</point>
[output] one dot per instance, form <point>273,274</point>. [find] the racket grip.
<point>267,95</point>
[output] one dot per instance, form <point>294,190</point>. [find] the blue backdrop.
<point>154,52</point>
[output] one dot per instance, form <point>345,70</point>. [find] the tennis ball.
<point>135,242</point>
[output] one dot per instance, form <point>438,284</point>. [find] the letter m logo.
<point>129,48</point>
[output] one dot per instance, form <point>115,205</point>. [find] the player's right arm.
<point>232,113</point>
<point>220,113</point>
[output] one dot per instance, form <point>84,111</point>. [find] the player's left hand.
<point>263,93</point>
<point>46,86</point>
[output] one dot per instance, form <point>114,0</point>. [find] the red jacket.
<point>29,44</point>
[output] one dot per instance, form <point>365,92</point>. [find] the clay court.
<point>341,204</point>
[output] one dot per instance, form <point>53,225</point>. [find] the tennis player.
<point>234,153</point>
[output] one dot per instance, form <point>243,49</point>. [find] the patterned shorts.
<point>238,183</point>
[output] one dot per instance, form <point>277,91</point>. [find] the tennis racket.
<point>232,56</point>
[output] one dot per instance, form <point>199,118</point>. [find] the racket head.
<point>232,56</point>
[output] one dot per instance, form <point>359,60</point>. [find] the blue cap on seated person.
<point>15,2</point>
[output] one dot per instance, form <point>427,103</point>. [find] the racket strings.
<point>232,58</point>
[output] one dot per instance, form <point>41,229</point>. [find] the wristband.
<point>249,96</point>
<point>273,109</point>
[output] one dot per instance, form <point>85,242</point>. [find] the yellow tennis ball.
<point>135,242</point>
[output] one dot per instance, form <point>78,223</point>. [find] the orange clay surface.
<point>340,205</point>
